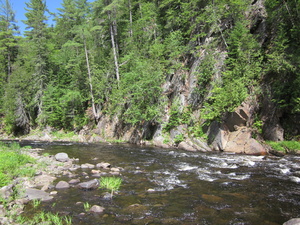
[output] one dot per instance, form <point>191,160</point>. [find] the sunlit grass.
<point>111,183</point>
<point>13,163</point>
<point>285,146</point>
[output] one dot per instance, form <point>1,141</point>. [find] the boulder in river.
<point>96,209</point>
<point>89,185</point>
<point>294,221</point>
<point>32,193</point>
<point>103,165</point>
<point>62,157</point>
<point>87,166</point>
<point>62,185</point>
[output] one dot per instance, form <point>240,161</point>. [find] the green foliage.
<point>111,183</point>
<point>45,218</point>
<point>12,163</point>
<point>243,66</point>
<point>283,54</point>
<point>86,206</point>
<point>196,130</point>
<point>285,146</point>
<point>139,94</point>
<point>62,108</point>
<point>257,125</point>
<point>177,117</point>
<point>179,138</point>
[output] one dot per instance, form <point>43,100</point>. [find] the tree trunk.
<point>96,116</point>
<point>130,18</point>
<point>112,36</point>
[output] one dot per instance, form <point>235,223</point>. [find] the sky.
<point>19,5</point>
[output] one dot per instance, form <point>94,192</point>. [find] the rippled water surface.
<point>187,187</point>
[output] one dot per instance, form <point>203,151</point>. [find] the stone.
<point>96,209</point>
<point>95,171</point>
<point>218,136</point>
<point>184,145</point>
<point>62,157</point>
<point>89,185</point>
<point>255,148</point>
<point>87,166</point>
<point>103,165</point>
<point>273,132</point>
<point>237,140</point>
<point>62,185</point>
<point>32,193</point>
<point>294,221</point>
<point>114,169</point>
<point>238,118</point>
<point>2,211</point>
<point>159,142</point>
<point>106,196</point>
<point>74,181</point>
<point>43,180</point>
<point>200,145</point>
<point>6,191</point>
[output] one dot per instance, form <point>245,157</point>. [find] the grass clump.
<point>13,163</point>
<point>285,146</point>
<point>86,206</point>
<point>111,183</point>
<point>45,218</point>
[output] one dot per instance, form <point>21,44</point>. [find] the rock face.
<point>233,135</point>
<point>62,157</point>
<point>89,185</point>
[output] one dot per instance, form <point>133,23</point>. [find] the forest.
<point>162,62</point>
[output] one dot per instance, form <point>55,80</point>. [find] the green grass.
<point>111,183</point>
<point>45,218</point>
<point>13,163</point>
<point>86,206</point>
<point>285,146</point>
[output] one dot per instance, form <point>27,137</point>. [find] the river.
<point>186,187</point>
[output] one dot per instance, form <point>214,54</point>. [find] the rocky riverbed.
<point>43,186</point>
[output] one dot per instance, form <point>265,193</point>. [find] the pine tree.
<point>8,43</point>
<point>36,35</point>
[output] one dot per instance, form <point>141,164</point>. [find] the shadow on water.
<point>163,186</point>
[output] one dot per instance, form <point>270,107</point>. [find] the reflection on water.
<point>186,187</point>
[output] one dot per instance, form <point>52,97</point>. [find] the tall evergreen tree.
<point>8,43</point>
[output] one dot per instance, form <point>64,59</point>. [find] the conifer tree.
<point>36,35</point>
<point>8,43</point>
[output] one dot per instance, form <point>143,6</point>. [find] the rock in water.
<point>62,157</point>
<point>32,194</point>
<point>295,221</point>
<point>96,209</point>
<point>62,185</point>
<point>89,185</point>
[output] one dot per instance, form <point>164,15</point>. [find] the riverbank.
<point>280,148</point>
<point>24,188</point>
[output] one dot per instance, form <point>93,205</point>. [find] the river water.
<point>187,187</point>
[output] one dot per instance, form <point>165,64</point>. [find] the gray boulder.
<point>6,191</point>
<point>32,193</point>
<point>62,185</point>
<point>295,221</point>
<point>103,165</point>
<point>89,185</point>
<point>62,157</point>
<point>96,209</point>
